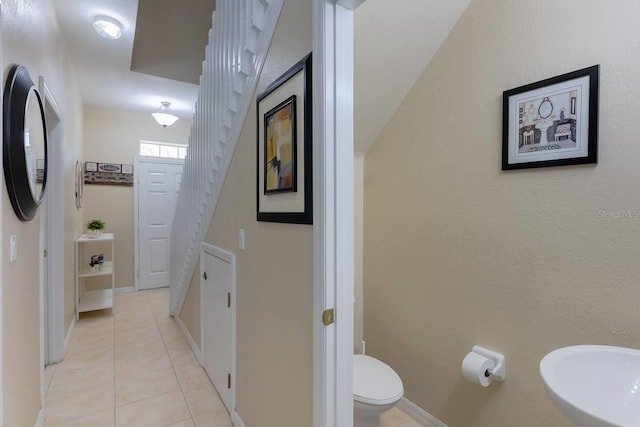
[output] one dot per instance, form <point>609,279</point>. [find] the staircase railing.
<point>239,38</point>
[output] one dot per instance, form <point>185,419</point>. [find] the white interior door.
<point>157,186</point>
<point>217,299</point>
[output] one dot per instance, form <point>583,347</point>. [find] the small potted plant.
<point>95,228</point>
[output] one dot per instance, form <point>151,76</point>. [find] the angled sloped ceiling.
<point>394,42</point>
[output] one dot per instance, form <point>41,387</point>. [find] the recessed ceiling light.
<point>107,27</point>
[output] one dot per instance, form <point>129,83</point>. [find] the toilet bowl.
<point>376,389</point>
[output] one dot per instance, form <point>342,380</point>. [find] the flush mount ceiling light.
<point>164,116</point>
<point>107,27</point>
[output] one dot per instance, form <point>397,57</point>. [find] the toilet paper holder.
<point>499,372</point>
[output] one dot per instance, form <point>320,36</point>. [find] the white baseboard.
<point>40,420</point>
<point>236,420</point>
<point>67,339</point>
<point>419,414</point>
<point>192,343</point>
<point>124,289</point>
<point>410,408</point>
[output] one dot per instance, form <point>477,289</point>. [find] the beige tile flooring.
<point>137,369</point>
<point>132,369</point>
<point>396,418</point>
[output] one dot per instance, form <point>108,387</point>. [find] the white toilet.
<point>376,389</point>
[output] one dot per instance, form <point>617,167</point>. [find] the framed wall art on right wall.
<point>553,122</point>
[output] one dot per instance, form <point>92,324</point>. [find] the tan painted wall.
<point>459,253</point>
<point>31,38</point>
<point>358,281</point>
<point>275,272</point>
<point>112,136</point>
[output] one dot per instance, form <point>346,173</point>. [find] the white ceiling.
<point>394,42</point>
<point>103,67</point>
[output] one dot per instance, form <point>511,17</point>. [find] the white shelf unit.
<point>94,299</point>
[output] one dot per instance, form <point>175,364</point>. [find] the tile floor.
<point>137,369</point>
<point>397,418</point>
<point>132,369</point>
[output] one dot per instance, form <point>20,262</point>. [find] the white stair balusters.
<point>239,38</point>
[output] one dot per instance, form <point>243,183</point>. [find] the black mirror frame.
<point>16,93</point>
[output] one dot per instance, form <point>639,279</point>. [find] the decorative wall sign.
<point>109,167</point>
<point>284,174</point>
<point>108,174</point>
<point>553,122</point>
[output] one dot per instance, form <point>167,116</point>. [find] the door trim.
<point>2,183</point>
<point>231,259</point>
<point>55,216</point>
<point>136,187</point>
<point>333,233</point>
<point>52,338</point>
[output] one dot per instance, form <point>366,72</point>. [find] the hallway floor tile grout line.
<point>137,369</point>
<point>132,369</point>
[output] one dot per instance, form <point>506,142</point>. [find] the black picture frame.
<point>563,108</point>
<point>290,200</point>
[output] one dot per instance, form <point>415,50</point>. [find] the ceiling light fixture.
<point>107,27</point>
<point>164,116</point>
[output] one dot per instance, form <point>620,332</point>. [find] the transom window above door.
<point>165,150</point>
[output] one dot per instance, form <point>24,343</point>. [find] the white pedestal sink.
<point>595,385</point>
<point>543,127</point>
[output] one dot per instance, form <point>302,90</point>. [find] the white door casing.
<point>45,294</point>
<point>333,210</point>
<point>54,332</point>
<point>51,247</point>
<point>157,184</point>
<point>2,190</point>
<point>217,329</point>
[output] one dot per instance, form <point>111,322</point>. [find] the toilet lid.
<point>374,382</point>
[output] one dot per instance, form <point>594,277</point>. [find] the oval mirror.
<point>25,144</point>
<point>545,109</point>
